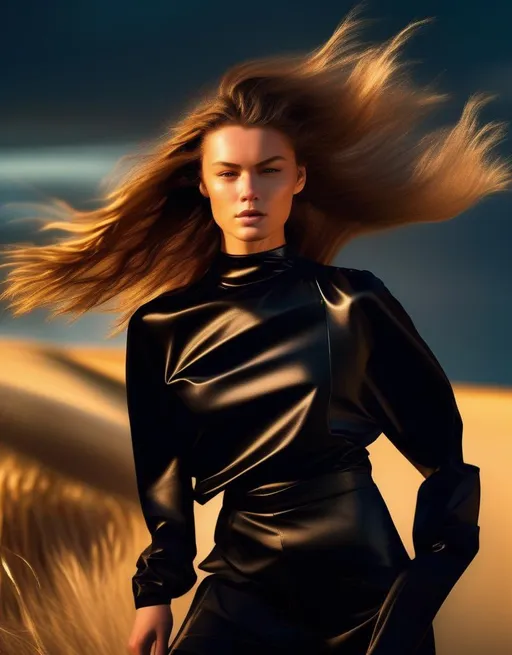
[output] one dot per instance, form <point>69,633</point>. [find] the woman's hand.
<point>151,630</point>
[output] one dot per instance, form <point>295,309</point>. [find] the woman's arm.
<point>408,394</point>
<point>160,426</point>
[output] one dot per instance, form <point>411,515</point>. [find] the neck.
<point>263,251</point>
<point>236,270</point>
<point>252,247</point>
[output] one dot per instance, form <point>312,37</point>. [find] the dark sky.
<point>81,70</point>
<point>95,77</point>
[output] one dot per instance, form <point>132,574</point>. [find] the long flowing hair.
<point>355,119</point>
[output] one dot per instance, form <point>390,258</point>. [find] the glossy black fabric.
<point>268,379</point>
<point>304,570</point>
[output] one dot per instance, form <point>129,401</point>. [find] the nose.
<point>248,191</point>
<point>248,196</point>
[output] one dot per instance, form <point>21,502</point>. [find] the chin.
<point>251,233</point>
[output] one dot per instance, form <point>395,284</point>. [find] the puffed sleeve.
<point>411,399</point>
<point>159,425</point>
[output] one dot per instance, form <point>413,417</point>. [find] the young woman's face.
<point>250,168</point>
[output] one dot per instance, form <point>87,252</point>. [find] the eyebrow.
<point>265,161</point>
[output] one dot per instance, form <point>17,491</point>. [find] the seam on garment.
<point>280,534</point>
<point>281,540</point>
<point>329,353</point>
<point>184,629</point>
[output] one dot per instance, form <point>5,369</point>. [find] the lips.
<point>249,220</point>
<point>249,212</point>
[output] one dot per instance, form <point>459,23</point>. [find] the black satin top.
<point>269,369</point>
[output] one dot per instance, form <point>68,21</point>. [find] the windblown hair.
<point>354,119</point>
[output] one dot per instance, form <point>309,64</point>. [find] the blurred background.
<point>84,83</point>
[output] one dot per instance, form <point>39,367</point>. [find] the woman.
<point>261,370</point>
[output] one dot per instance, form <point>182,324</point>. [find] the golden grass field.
<point>71,528</point>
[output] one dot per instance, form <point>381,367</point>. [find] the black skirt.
<point>301,570</point>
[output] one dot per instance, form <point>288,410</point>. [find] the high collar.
<point>241,270</point>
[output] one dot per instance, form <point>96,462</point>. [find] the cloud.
<point>60,164</point>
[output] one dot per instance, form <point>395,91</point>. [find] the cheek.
<point>222,193</point>
<point>282,194</point>
<point>223,201</point>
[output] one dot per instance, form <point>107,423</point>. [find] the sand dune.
<point>71,527</point>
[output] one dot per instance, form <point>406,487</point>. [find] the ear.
<point>202,189</point>
<point>301,179</point>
